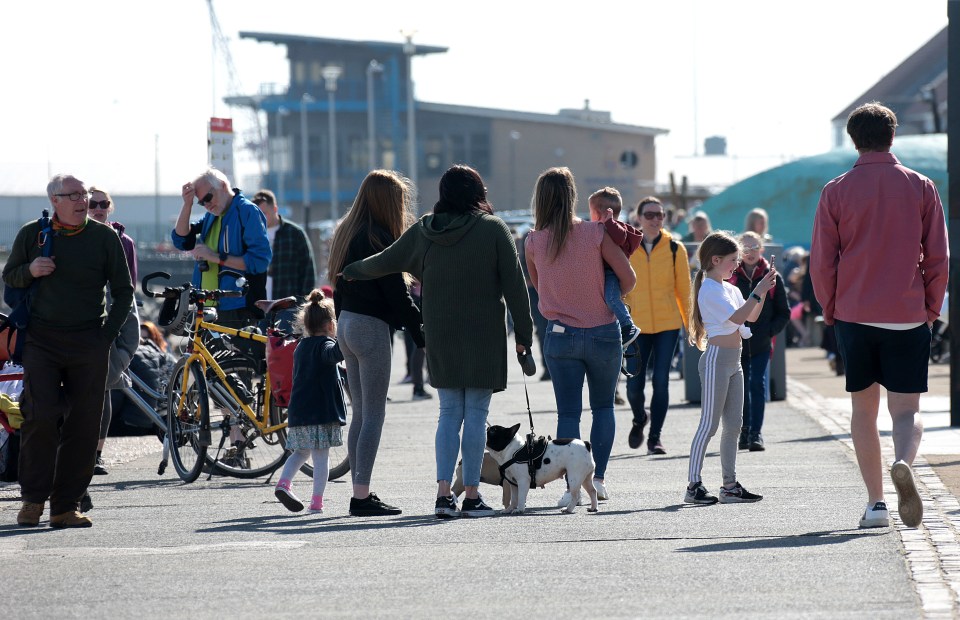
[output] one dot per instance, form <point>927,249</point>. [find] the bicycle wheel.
<point>239,449</point>
<point>187,407</point>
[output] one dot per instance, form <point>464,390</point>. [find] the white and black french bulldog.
<point>563,456</point>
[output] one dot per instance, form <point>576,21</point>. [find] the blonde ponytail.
<point>698,334</point>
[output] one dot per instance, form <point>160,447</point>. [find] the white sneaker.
<point>601,488</point>
<point>875,516</point>
<point>565,500</point>
<point>909,504</point>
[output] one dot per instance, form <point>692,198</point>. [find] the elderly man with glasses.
<point>231,238</point>
<point>66,349</point>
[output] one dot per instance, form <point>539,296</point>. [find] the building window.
<point>480,152</point>
<point>299,72</point>
<point>628,160</point>
<point>433,155</point>
<point>357,154</point>
<point>316,71</point>
<point>458,149</point>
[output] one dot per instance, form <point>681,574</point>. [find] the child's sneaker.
<point>316,505</point>
<point>290,501</point>
<point>698,494</point>
<point>875,516</point>
<point>738,495</point>
<point>628,335</point>
<point>446,507</point>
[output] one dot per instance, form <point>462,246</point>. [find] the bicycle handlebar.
<point>196,294</point>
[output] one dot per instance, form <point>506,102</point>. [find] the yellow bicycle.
<point>216,391</point>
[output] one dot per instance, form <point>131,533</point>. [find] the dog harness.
<point>530,453</point>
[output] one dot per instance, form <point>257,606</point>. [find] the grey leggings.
<point>721,394</point>
<point>366,345</point>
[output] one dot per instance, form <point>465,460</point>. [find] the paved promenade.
<point>225,547</point>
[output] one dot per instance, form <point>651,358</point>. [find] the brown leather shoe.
<point>29,515</point>
<point>70,519</point>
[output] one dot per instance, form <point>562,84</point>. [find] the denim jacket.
<point>243,232</point>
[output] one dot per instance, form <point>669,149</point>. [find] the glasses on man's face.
<point>203,201</point>
<point>99,204</point>
<point>654,215</point>
<point>74,196</point>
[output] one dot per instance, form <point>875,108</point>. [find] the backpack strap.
<point>673,248</point>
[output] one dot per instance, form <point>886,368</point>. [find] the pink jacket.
<point>879,251</point>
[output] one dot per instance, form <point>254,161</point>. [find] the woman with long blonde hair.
<point>717,328</point>
<point>366,311</point>
<point>583,340</point>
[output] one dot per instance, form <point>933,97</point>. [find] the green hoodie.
<point>468,266</point>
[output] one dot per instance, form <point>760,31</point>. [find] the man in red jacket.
<point>879,262</point>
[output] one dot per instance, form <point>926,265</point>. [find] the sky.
<point>119,92</point>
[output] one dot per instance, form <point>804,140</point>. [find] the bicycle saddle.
<point>275,305</point>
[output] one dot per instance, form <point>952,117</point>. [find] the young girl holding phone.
<point>717,318</point>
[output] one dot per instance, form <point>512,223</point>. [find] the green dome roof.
<point>789,193</point>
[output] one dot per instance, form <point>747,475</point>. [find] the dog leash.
<point>529,369</point>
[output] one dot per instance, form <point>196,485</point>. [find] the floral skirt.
<point>314,437</point>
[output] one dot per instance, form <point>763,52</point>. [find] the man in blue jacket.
<point>230,238</point>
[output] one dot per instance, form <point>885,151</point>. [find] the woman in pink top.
<point>566,255</point>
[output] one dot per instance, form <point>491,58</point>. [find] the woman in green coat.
<point>467,261</point>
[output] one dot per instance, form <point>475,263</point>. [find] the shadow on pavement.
<point>306,523</point>
<point>810,539</point>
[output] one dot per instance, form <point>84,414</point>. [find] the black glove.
<point>526,363</point>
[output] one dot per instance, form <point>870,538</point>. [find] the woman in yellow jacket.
<point>659,305</point>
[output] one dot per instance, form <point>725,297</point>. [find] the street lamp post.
<point>373,67</point>
<point>280,155</point>
<point>331,73</point>
<point>410,49</point>
<point>305,158</point>
<point>514,138</point>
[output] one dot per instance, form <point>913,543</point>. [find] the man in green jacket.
<point>66,350</point>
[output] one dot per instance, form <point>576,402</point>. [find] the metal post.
<point>281,156</point>
<point>330,75</point>
<point>373,67</point>
<point>305,159</point>
<point>410,49</point>
<point>158,232</point>
<point>514,138</point>
<point>953,176</point>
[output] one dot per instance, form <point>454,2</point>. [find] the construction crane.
<point>221,47</point>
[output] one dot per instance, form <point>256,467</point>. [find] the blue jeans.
<point>467,408</point>
<point>755,389</point>
<point>614,299</point>
<point>661,345</point>
<point>572,354</point>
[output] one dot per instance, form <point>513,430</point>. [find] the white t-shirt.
<point>718,301</point>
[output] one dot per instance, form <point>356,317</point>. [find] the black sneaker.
<point>698,494</point>
<point>738,495</point>
<point>86,504</point>
<point>756,442</point>
<point>744,442</point>
<point>371,506</point>
<point>100,468</point>
<point>476,508</point>
<point>635,438</point>
<point>628,335</point>
<point>655,447</point>
<point>446,507</point>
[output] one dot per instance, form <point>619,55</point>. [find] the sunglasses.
<point>654,215</point>
<point>203,201</point>
<point>99,204</point>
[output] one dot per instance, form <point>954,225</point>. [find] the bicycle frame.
<point>199,353</point>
